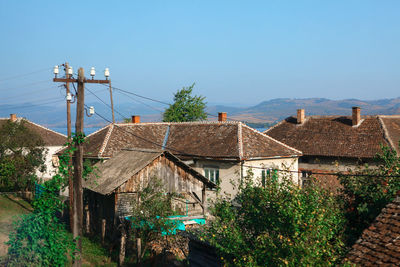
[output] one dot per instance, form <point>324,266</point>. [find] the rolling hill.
<point>265,112</point>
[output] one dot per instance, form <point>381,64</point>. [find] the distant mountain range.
<point>266,112</point>
<point>278,109</point>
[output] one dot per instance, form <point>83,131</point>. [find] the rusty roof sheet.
<point>50,137</point>
<point>333,136</point>
<point>379,244</point>
<point>218,140</point>
<point>112,173</point>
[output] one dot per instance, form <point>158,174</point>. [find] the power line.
<point>249,166</point>
<point>322,173</point>
<point>144,97</point>
<point>31,92</point>
<point>36,101</point>
<point>123,116</point>
<point>23,75</point>
<point>24,85</point>
<point>161,102</point>
<point>143,138</point>
<point>138,101</point>
<point>33,105</point>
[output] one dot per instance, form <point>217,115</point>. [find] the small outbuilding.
<point>111,189</point>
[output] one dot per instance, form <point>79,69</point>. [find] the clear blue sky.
<point>235,51</point>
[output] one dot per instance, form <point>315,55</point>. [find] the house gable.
<point>130,170</point>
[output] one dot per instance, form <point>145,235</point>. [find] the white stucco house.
<point>53,142</point>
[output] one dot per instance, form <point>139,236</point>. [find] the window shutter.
<point>263,178</point>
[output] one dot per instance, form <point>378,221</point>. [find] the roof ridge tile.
<point>106,139</point>
<point>240,141</point>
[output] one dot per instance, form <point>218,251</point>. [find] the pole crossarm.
<point>64,80</point>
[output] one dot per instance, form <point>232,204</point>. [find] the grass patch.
<point>94,254</point>
<point>11,205</point>
<point>10,208</point>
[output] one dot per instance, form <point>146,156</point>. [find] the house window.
<point>212,174</point>
<point>305,178</point>
<point>270,174</point>
<point>263,177</point>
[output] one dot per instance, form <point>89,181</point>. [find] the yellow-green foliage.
<point>277,225</point>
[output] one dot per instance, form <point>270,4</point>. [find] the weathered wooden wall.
<point>119,203</point>
<point>173,177</point>
<point>184,205</point>
<point>175,180</point>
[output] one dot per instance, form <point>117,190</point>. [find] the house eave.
<point>274,157</point>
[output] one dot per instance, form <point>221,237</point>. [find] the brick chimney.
<point>300,116</point>
<point>13,117</point>
<point>356,116</point>
<point>135,119</point>
<point>221,116</point>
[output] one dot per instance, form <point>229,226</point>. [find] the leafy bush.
<point>367,191</point>
<point>39,238</point>
<point>150,211</point>
<point>277,225</point>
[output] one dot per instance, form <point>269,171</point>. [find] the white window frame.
<point>305,178</point>
<point>211,173</point>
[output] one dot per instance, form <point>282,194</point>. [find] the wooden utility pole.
<point>78,166</point>
<point>70,183</point>
<point>77,192</point>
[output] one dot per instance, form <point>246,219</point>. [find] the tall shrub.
<point>40,238</point>
<point>277,225</point>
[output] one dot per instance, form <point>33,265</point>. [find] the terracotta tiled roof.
<point>391,125</point>
<point>335,135</point>
<point>228,140</point>
<point>379,245</point>
<point>50,137</point>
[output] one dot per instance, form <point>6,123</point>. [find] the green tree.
<point>366,191</point>
<point>150,211</point>
<point>22,153</point>
<point>186,107</point>
<point>40,238</point>
<point>277,225</point>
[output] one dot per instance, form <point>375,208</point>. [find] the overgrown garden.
<point>282,224</point>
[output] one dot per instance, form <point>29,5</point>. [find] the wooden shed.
<point>112,187</point>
